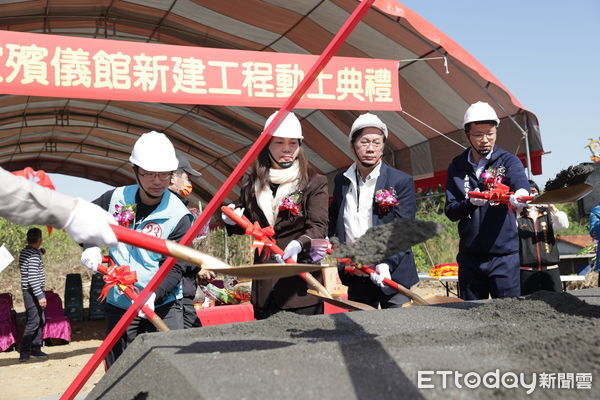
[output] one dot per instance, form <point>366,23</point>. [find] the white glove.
<point>278,258</point>
<point>89,223</point>
<point>238,211</point>
<point>514,198</point>
<point>383,271</point>
<point>477,202</point>
<point>149,303</point>
<point>292,250</point>
<point>91,258</point>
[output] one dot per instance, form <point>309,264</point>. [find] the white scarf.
<point>287,179</point>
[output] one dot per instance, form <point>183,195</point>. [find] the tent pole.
<point>114,335</point>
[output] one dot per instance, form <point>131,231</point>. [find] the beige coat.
<point>27,203</point>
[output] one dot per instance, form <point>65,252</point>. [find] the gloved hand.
<point>318,248</point>
<point>477,202</point>
<point>91,258</point>
<point>383,271</point>
<point>89,223</point>
<point>238,211</point>
<point>292,250</point>
<point>514,198</point>
<point>149,303</point>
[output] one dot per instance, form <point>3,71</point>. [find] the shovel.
<point>311,281</point>
<point>406,292</point>
<point>564,195</point>
<point>173,249</point>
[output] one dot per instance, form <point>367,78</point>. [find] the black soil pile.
<point>369,354</point>
<point>383,241</point>
<point>569,177</point>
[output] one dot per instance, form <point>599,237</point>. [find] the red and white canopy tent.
<point>92,138</point>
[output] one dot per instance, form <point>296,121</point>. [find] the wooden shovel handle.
<point>310,280</point>
<point>168,248</point>
<point>407,292</point>
<point>132,295</point>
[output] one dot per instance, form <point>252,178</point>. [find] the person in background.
<point>147,207</point>
<point>488,255</point>
<point>595,233</point>
<point>537,245</point>
<point>181,186</point>
<point>26,203</point>
<point>32,284</point>
<point>356,207</point>
<point>285,192</point>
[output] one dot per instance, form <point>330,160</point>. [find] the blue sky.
<point>544,52</point>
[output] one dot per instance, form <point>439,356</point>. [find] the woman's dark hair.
<point>534,185</point>
<point>34,235</point>
<point>260,171</point>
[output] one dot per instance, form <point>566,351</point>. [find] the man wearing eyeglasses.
<point>488,256</point>
<point>148,207</point>
<point>355,209</point>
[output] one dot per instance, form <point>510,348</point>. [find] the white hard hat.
<point>154,152</point>
<point>367,120</point>
<point>289,128</point>
<point>480,111</point>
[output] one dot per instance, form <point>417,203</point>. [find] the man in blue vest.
<point>357,206</point>
<point>148,207</point>
<point>488,256</point>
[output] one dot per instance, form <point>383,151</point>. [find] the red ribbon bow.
<point>118,275</point>
<point>262,236</point>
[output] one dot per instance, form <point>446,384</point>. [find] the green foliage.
<point>576,227</point>
<point>439,249</point>
<point>234,249</point>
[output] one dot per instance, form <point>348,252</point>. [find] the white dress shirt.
<point>358,210</point>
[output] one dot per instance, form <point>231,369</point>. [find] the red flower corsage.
<point>292,204</point>
<point>124,215</point>
<point>385,199</point>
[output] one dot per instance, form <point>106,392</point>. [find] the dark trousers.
<point>481,277</point>
<point>363,290</point>
<point>171,314</point>
<point>272,308</point>
<point>34,324</point>
<point>190,317</point>
<point>533,281</point>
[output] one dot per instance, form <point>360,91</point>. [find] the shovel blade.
<point>564,195</point>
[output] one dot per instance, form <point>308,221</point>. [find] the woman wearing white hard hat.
<point>488,254</point>
<point>285,192</point>
<point>150,208</point>
<point>371,193</point>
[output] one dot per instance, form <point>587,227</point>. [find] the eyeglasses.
<point>377,144</point>
<point>163,176</point>
<point>479,136</point>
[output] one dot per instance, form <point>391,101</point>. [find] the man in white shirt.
<point>371,193</point>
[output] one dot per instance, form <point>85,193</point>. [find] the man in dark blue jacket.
<point>488,256</point>
<point>358,204</point>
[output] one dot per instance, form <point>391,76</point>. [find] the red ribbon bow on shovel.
<point>262,237</point>
<point>118,275</point>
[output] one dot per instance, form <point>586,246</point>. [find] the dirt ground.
<point>40,379</point>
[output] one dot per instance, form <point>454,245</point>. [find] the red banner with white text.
<point>56,66</point>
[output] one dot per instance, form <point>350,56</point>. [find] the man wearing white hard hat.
<point>488,255</point>
<point>371,193</point>
<point>150,208</point>
<point>282,190</point>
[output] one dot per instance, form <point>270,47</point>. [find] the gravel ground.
<point>375,354</point>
